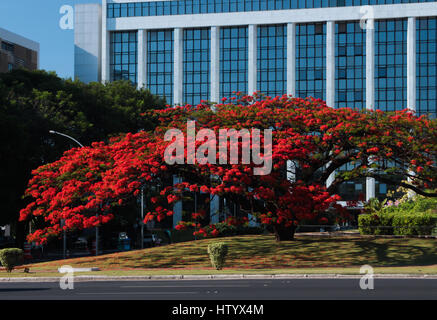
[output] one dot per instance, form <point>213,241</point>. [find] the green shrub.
<point>217,253</point>
<point>400,223</point>
<point>10,258</point>
<point>385,220</point>
<point>413,224</point>
<point>367,223</point>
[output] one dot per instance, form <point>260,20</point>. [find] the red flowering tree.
<point>86,184</point>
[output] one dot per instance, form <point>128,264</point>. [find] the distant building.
<point>17,52</point>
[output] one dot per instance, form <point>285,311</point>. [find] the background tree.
<point>34,102</point>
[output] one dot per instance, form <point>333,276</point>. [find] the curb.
<point>217,277</point>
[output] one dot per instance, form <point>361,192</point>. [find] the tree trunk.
<point>283,233</point>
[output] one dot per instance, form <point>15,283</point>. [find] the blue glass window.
<point>311,60</point>
<point>220,6</point>
<point>350,76</point>
<point>272,60</point>
<point>160,63</point>
<point>233,61</point>
<point>123,56</point>
<point>197,62</point>
<point>391,64</point>
<point>426,66</point>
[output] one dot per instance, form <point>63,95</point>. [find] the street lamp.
<point>64,135</point>
<point>63,221</point>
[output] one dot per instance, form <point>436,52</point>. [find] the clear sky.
<point>38,20</point>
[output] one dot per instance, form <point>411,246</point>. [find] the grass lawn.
<point>262,254</point>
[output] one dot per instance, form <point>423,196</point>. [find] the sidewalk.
<point>215,277</point>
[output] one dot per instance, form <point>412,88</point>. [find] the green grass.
<point>262,254</point>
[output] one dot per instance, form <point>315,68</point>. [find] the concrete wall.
<point>87,42</point>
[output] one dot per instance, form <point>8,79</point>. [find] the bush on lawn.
<point>217,253</point>
<point>10,258</point>
<point>413,224</point>
<point>376,223</point>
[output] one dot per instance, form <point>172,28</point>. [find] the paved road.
<point>224,290</point>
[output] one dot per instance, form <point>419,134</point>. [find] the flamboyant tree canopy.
<point>85,185</point>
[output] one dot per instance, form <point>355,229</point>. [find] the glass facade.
<point>426,66</point>
<point>391,64</point>
<point>311,60</point>
<point>197,61</point>
<point>272,60</point>
<point>123,56</point>
<point>176,7</point>
<point>233,61</point>
<point>160,63</point>
<point>350,62</point>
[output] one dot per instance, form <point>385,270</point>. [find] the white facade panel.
<point>87,43</point>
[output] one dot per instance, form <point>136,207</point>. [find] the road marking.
<point>100,293</point>
<point>191,286</point>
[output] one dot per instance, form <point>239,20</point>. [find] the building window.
<point>426,66</point>
<point>350,65</point>
<point>391,64</point>
<point>10,66</point>
<point>178,7</point>
<point>310,61</point>
<point>272,60</point>
<point>123,56</point>
<point>160,63</point>
<point>233,61</point>
<point>197,62</point>
<point>8,46</point>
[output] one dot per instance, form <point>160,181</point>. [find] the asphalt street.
<point>245,289</point>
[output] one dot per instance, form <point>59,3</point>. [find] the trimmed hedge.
<point>10,258</point>
<point>388,223</point>
<point>217,253</point>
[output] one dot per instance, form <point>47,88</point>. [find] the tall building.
<point>351,53</point>
<point>17,52</point>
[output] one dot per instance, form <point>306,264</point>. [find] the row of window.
<point>7,46</point>
<point>178,7</point>
<point>350,75</point>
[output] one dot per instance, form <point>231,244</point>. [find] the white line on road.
<point>191,286</point>
<point>100,293</point>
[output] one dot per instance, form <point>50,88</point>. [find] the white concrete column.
<point>214,204</point>
<point>178,66</point>
<point>252,63</point>
<point>411,64</point>
<point>370,89</point>
<point>330,75</point>
<point>215,64</point>
<point>411,74</point>
<point>330,63</point>
<point>177,207</point>
<point>105,45</point>
<point>291,59</point>
<point>291,82</point>
<point>142,58</point>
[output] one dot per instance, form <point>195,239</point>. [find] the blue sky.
<point>38,20</point>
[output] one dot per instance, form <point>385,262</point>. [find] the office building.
<point>17,52</point>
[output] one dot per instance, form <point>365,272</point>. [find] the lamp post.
<point>63,221</point>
